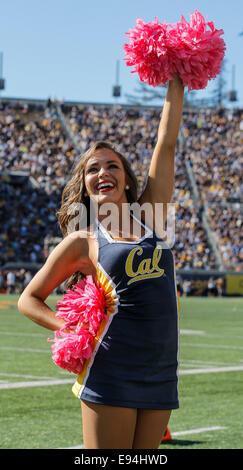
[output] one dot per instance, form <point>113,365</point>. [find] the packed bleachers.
<point>214,148</point>
<point>226,224</point>
<point>213,144</point>
<point>33,140</point>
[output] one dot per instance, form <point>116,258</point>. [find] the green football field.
<point>38,409</point>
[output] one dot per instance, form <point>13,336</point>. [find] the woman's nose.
<point>103,171</point>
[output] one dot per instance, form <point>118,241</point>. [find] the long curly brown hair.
<point>74,192</point>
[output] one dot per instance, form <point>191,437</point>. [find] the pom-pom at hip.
<point>83,310</point>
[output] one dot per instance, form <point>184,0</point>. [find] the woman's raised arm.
<point>160,182</point>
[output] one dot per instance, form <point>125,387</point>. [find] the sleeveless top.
<point>135,360</point>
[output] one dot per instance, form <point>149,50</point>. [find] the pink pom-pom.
<point>200,51</point>
<point>85,304</point>
<point>157,51</point>
<point>147,52</point>
<point>70,350</point>
<point>83,309</point>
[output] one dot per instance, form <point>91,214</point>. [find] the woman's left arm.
<point>160,182</point>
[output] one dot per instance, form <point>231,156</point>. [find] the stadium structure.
<point>41,141</point>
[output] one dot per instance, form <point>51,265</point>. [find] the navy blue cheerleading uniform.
<point>135,361</point>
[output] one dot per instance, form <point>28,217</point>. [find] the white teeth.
<point>104,185</point>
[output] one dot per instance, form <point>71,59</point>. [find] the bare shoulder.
<point>72,254</point>
<point>78,242</point>
<point>80,248</point>
<point>88,244</point>
<point>72,248</point>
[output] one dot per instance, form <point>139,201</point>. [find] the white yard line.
<point>10,333</point>
<point>214,346</point>
<point>32,350</point>
<point>174,434</point>
<point>44,383</point>
<point>204,363</point>
<point>7,374</point>
<point>192,332</point>
<point>197,431</point>
<point>210,370</point>
<point>36,383</point>
<point>212,335</point>
<point>183,332</point>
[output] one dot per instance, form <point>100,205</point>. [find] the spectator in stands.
<point>1,281</point>
<point>219,286</point>
<point>186,288</point>
<point>11,282</point>
<point>27,278</point>
<point>212,290</point>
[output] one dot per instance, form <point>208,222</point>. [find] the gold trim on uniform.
<point>111,302</point>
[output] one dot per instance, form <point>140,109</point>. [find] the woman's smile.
<point>105,176</point>
<point>106,185</point>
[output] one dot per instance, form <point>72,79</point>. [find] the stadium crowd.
<point>213,145</point>
<point>33,140</point>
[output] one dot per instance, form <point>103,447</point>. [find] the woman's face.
<point>105,177</point>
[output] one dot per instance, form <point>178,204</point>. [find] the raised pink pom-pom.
<point>147,52</point>
<point>83,310</point>
<point>200,51</point>
<point>194,50</point>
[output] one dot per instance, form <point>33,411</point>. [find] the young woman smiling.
<point>128,387</point>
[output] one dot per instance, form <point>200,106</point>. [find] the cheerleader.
<point>128,387</point>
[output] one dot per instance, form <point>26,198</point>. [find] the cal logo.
<point>148,267</point>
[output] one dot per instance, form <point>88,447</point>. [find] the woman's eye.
<point>91,169</point>
<point>96,169</point>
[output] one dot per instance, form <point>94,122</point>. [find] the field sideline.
<point>38,409</point>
